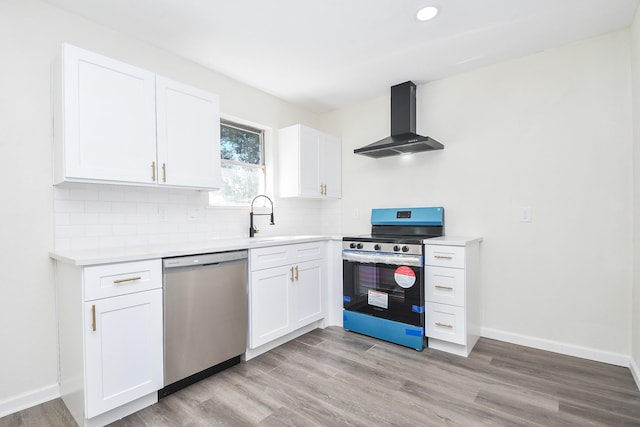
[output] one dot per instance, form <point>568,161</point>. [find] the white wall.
<point>635,72</point>
<point>31,34</point>
<point>551,131</point>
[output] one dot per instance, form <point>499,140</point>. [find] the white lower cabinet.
<point>270,298</point>
<point>110,328</point>
<point>286,290</point>
<point>122,359</point>
<point>452,317</point>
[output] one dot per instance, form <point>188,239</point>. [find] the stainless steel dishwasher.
<point>205,316</point>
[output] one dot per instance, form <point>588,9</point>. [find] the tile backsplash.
<point>89,216</point>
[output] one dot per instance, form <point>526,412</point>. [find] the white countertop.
<point>453,240</point>
<point>137,253</point>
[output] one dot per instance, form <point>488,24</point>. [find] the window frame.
<point>261,131</point>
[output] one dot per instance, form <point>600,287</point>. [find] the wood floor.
<point>335,378</point>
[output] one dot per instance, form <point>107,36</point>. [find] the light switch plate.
<point>525,214</point>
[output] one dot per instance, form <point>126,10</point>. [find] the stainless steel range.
<point>383,275</point>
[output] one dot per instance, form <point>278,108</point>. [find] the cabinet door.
<point>123,348</point>
<point>109,119</point>
<point>188,135</point>
<point>330,166</point>
<point>270,300</point>
<point>310,163</point>
<point>307,304</point>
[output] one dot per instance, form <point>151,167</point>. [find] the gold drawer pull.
<point>444,325</point>
<point>443,257</point>
<point>448,288</point>
<point>296,268</point>
<point>153,171</point>
<point>291,270</point>
<point>93,317</point>
<point>130,279</point>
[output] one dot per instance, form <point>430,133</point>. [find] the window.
<point>242,164</point>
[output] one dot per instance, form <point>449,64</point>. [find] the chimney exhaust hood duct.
<point>403,139</point>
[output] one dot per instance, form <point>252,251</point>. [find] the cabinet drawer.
<point>445,285</point>
<point>445,322</point>
<point>445,256</point>
<point>278,256</point>
<point>307,251</point>
<point>273,256</point>
<point>103,281</point>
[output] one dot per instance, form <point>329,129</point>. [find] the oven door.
<point>389,286</point>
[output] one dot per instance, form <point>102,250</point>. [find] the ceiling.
<point>325,54</point>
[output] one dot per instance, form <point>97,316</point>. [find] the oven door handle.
<point>378,258</point>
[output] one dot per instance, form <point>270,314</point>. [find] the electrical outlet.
<point>525,214</point>
<point>194,214</point>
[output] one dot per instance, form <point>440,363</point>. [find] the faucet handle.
<point>255,229</point>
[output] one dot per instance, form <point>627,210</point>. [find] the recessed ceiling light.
<point>427,13</point>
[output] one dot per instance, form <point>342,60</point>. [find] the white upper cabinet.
<point>309,163</point>
<point>188,135</point>
<point>106,123</point>
<point>106,128</point>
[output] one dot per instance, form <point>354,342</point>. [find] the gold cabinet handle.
<point>444,325</point>
<point>443,257</point>
<point>448,288</point>
<point>93,317</point>
<point>296,268</point>
<point>291,269</point>
<point>130,279</point>
<point>164,172</point>
<point>153,171</point>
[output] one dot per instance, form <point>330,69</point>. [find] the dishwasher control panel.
<point>204,259</point>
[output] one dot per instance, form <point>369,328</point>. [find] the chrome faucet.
<point>252,229</point>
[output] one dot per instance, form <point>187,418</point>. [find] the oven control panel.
<point>383,247</point>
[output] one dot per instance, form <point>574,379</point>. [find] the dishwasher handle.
<point>204,259</point>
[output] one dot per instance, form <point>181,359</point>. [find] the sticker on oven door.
<point>405,277</point>
<point>378,299</point>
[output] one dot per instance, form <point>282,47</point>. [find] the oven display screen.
<point>403,214</point>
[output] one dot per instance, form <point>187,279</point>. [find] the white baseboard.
<point>635,371</point>
<point>558,347</point>
<point>27,400</point>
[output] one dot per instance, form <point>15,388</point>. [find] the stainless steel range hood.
<point>403,139</point>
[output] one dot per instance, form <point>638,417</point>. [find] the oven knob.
<point>377,247</point>
<point>405,249</point>
<point>396,248</point>
<point>360,245</point>
<point>352,245</point>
